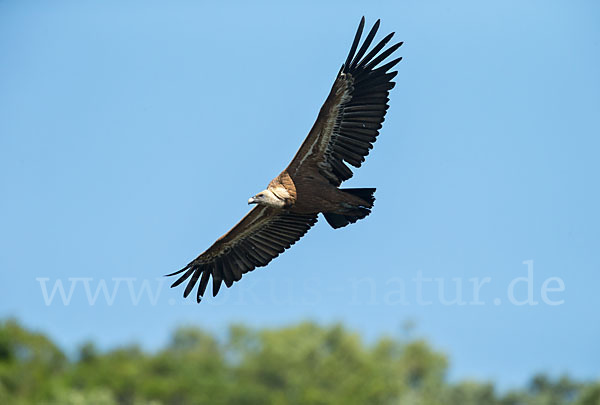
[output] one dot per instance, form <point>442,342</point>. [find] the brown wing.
<point>257,239</point>
<point>349,121</point>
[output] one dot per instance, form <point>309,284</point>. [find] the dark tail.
<point>355,213</point>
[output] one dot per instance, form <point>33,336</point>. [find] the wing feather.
<point>350,119</point>
<point>366,44</point>
<point>263,234</point>
<point>359,31</point>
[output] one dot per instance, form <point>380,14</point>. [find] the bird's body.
<point>346,127</point>
<point>311,194</point>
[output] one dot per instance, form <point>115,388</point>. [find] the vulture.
<point>344,132</point>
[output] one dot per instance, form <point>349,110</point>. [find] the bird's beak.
<point>251,200</point>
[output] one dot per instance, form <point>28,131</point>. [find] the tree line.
<point>305,363</point>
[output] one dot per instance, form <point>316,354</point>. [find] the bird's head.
<point>267,197</point>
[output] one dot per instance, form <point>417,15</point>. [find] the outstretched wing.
<point>258,238</point>
<point>350,119</point>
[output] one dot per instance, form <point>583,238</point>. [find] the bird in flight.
<point>344,132</point>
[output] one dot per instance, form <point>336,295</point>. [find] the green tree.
<point>300,364</point>
<point>28,360</point>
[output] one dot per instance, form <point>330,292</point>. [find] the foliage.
<point>301,364</point>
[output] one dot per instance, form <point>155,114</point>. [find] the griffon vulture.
<point>346,128</point>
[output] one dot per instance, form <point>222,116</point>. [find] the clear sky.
<point>133,133</point>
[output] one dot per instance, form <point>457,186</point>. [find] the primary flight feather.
<point>344,132</point>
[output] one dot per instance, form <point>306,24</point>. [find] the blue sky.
<point>133,133</point>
